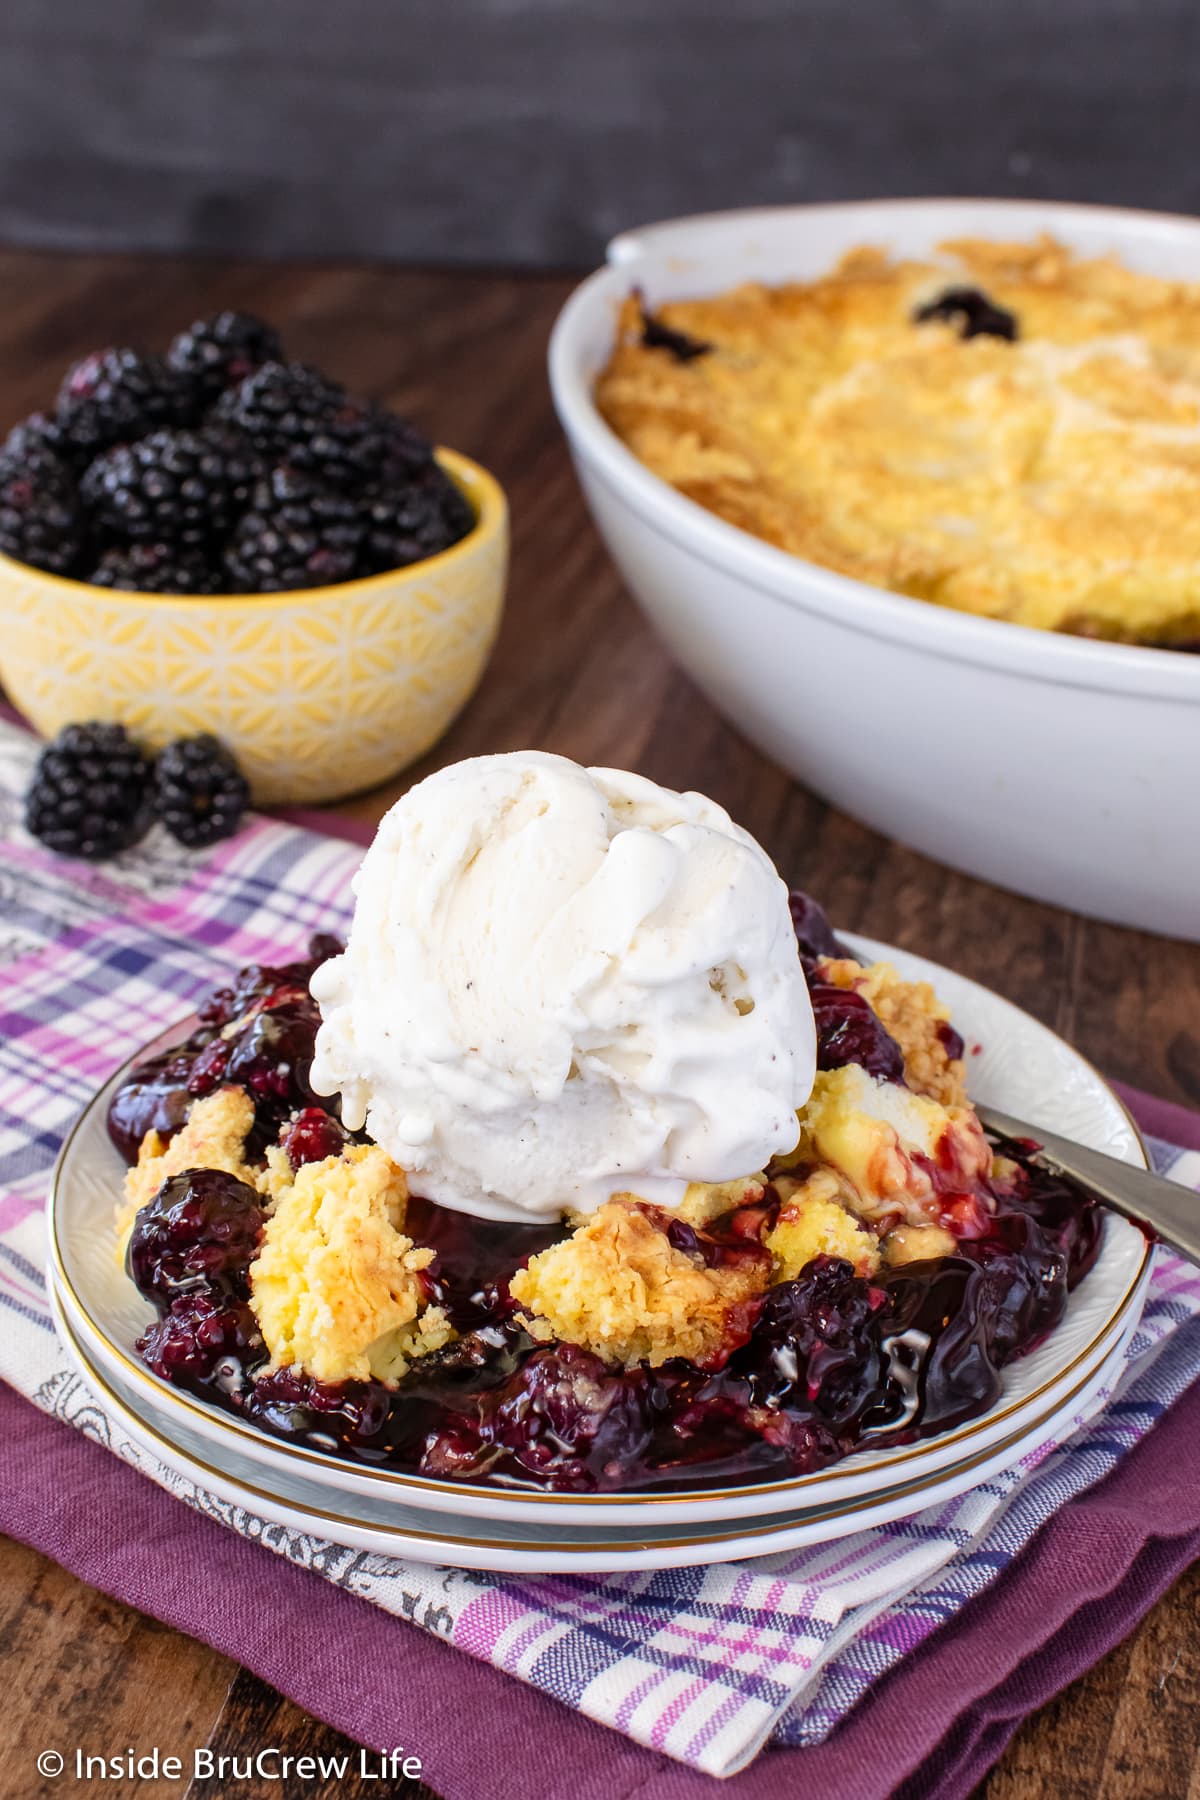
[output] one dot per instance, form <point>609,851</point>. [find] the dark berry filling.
<point>850,1031</point>
<point>658,335</point>
<point>971,312</point>
<point>269,1053</point>
<point>848,1028</point>
<point>313,1135</point>
<point>814,934</point>
<point>352,1416</point>
<point>812,1369</point>
<point>201,1230</point>
<point>190,1253</point>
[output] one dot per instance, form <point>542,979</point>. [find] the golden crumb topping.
<point>212,1137</point>
<point>336,1286</point>
<point>886,1142</point>
<point>1053,480</point>
<point>815,1220</point>
<point>912,1013</point>
<point>705,1201</point>
<point>917,1243</point>
<point>620,1288</point>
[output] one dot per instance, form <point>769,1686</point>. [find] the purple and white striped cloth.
<point>705,1665</point>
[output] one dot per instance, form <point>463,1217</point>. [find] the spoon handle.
<point>1166,1209</point>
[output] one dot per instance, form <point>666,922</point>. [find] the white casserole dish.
<point>1064,768</point>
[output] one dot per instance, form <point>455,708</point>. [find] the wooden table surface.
<point>576,670</point>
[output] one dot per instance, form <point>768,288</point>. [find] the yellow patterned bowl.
<point>317,693</point>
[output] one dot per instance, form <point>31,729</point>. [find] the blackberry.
<point>200,1230</point>
<point>352,448</point>
<point>174,487</point>
<point>157,569</point>
<point>658,335</point>
<point>215,354</point>
<point>200,793</point>
<point>407,451</point>
<point>203,1337</point>
<point>90,794</point>
<point>279,407</point>
<point>298,533</point>
<point>34,438</point>
<point>240,462</point>
<point>293,414</point>
<point>972,312</point>
<point>117,395</point>
<point>407,523</point>
<point>40,518</point>
<point>313,1135</point>
<point>364,449</point>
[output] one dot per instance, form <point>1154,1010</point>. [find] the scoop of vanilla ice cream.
<point>563,983</point>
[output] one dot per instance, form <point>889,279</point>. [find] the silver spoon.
<point>1166,1208</point>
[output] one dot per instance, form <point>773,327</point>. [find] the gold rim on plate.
<point>735,1528</point>
<point>886,1460</point>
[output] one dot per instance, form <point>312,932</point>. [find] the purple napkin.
<point>937,1723</point>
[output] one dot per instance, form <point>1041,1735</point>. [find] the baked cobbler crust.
<point>337,1287</point>
<point>911,1013</point>
<point>618,1287</point>
<point>1053,481</point>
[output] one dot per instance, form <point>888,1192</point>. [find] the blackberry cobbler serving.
<point>593,1162</point>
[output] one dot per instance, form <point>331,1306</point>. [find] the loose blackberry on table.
<point>200,793</point>
<point>91,793</point>
<point>95,793</point>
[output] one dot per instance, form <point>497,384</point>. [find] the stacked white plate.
<point>1020,1066</point>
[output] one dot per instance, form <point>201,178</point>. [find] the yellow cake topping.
<point>815,1220</point>
<point>336,1286</point>
<point>881,1138</point>
<point>1053,480</point>
<point>619,1287</point>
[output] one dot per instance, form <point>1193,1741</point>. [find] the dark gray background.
<point>527,131</point>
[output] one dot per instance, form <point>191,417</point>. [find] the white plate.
<point>389,1528</point>
<point>1020,1066</point>
<point>869,1471</point>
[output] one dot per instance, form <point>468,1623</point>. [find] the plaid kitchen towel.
<point>704,1665</point>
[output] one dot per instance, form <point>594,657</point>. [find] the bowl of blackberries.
<point>221,541</point>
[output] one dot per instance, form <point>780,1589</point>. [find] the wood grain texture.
<point>577,670</point>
